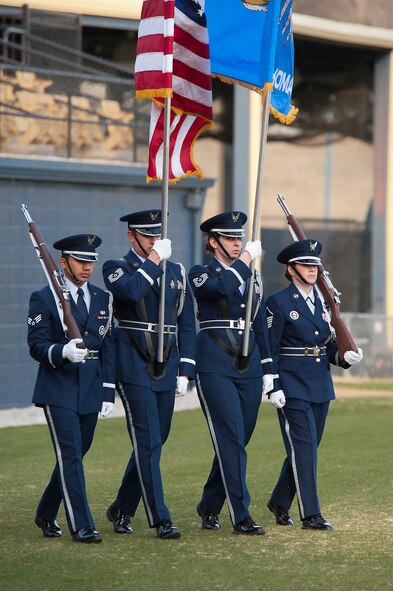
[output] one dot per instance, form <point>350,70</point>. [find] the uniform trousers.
<point>302,424</point>
<point>148,415</point>
<point>72,435</point>
<point>231,410</point>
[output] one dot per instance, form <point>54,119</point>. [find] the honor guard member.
<point>73,384</point>
<point>146,387</point>
<point>230,395</point>
<point>303,347</point>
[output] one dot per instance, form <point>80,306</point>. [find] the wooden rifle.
<point>330,294</point>
<point>59,289</point>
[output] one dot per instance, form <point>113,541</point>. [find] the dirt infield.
<point>345,392</point>
<point>352,393</point>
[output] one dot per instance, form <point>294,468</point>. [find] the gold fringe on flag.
<point>234,81</point>
<point>287,119</point>
<point>154,93</point>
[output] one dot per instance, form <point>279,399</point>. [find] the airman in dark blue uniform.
<point>303,347</point>
<point>73,384</point>
<point>147,385</point>
<point>230,393</point>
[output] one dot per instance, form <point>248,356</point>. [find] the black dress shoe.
<point>282,515</point>
<point>316,522</point>
<point>248,527</point>
<point>50,529</point>
<point>87,535</point>
<point>209,519</point>
<point>120,520</point>
<point>167,531</point>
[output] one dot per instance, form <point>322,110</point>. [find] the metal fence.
<point>52,113</point>
<point>374,334</point>
<point>77,106</point>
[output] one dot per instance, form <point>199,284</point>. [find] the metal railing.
<point>73,59</point>
<point>374,334</point>
<point>76,106</point>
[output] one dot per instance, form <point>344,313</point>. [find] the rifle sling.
<point>152,356</point>
<point>235,349</point>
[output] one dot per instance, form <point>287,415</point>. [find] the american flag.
<point>173,60</point>
<point>154,54</point>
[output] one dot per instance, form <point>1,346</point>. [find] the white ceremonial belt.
<point>146,326</point>
<point>214,324</point>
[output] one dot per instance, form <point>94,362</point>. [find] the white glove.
<point>254,249</point>
<point>181,386</point>
<point>106,409</point>
<point>277,399</point>
<point>267,383</point>
<point>353,357</point>
<point>163,248</point>
<point>72,353</point>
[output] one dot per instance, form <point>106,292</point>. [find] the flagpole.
<point>164,226</point>
<point>256,219</point>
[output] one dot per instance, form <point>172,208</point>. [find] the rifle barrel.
<point>329,293</point>
<point>284,207</point>
<point>26,213</point>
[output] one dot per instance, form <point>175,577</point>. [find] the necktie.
<point>310,304</point>
<point>80,302</point>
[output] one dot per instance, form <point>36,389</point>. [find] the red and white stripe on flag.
<point>154,52</point>
<point>191,103</point>
<point>184,130</point>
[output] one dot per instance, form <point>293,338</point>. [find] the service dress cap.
<point>304,252</point>
<point>229,223</point>
<point>81,246</point>
<point>147,222</point>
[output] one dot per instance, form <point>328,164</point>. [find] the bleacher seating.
<point>119,136</point>
<point>34,113</point>
<point>29,81</point>
<point>86,132</point>
<point>30,129</point>
<point>7,100</point>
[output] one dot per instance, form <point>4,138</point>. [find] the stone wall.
<point>377,13</point>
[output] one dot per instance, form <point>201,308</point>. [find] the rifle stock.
<point>345,341</point>
<point>58,287</point>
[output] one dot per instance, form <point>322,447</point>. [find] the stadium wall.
<point>67,198</point>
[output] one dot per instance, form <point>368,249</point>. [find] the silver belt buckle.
<point>152,327</point>
<point>241,324</point>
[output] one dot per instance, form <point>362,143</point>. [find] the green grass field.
<point>356,493</point>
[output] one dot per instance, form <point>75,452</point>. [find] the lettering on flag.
<point>251,44</point>
<point>281,106</point>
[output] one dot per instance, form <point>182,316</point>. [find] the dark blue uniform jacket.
<point>77,386</point>
<point>292,324</point>
<point>210,285</point>
<point>131,280</point>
